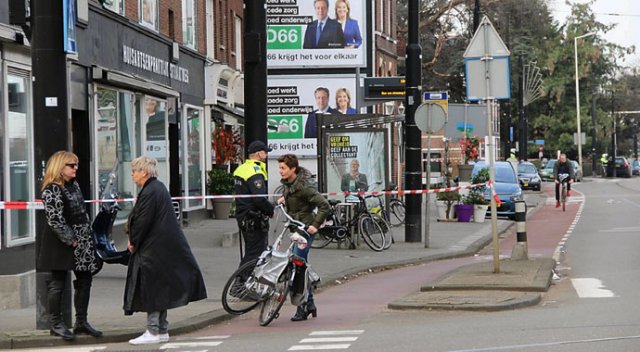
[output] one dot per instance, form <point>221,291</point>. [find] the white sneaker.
<point>146,338</point>
<point>164,337</point>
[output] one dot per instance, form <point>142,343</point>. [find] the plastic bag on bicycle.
<point>270,266</point>
<point>305,277</point>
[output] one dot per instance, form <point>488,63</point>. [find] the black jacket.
<point>162,273</point>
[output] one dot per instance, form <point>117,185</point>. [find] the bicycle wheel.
<point>240,292</point>
<point>271,306</point>
<point>386,229</point>
<point>322,239</point>
<point>396,212</point>
<point>564,197</point>
<point>372,233</point>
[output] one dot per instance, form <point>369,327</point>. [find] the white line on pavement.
<point>319,347</point>
<point>329,339</point>
<point>337,332</point>
<point>172,345</point>
<point>591,288</point>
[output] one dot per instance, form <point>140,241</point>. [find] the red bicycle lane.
<point>545,227</point>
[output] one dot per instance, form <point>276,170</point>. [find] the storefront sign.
<point>150,63</point>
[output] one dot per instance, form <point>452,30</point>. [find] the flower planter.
<point>441,206</point>
<point>464,212</point>
<point>222,208</point>
<point>479,212</point>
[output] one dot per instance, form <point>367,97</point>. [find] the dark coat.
<point>162,272</point>
<point>331,37</point>
<point>301,198</point>
<point>67,221</point>
<point>311,126</point>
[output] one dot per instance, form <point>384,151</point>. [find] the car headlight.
<point>535,179</point>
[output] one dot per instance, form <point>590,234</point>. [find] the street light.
<point>579,137</point>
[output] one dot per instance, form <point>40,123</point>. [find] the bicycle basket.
<point>270,266</point>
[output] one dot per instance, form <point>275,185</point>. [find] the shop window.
<point>189,32</point>
<point>149,13</point>
<point>156,145</point>
<point>116,6</point>
<point>19,224</point>
<point>193,148</point>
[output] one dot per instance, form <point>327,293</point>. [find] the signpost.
<point>487,76</point>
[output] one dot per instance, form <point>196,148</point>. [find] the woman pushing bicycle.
<point>301,198</point>
<point>563,166</point>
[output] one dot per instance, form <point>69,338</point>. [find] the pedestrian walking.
<point>253,213</point>
<point>162,272</point>
<point>66,244</point>
<point>301,199</point>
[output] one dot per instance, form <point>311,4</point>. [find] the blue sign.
<point>69,26</point>
<point>435,96</point>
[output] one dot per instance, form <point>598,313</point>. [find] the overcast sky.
<point>626,13</point>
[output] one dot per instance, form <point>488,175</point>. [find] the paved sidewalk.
<point>447,240</point>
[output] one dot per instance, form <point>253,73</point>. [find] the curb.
<point>462,300</point>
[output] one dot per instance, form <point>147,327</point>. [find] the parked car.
<point>622,165</point>
<point>506,186</point>
<point>528,176</point>
<point>635,167</point>
<point>546,174</point>
<point>577,171</point>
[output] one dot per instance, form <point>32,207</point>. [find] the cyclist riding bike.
<point>563,166</point>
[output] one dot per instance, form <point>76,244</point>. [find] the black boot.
<point>301,313</point>
<point>311,309</point>
<point>54,297</point>
<point>81,303</point>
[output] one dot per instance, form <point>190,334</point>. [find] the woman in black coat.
<point>162,272</point>
<point>66,244</point>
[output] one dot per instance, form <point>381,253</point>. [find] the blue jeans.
<point>304,253</point>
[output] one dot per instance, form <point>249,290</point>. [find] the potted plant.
<point>476,195</point>
<point>220,182</point>
<point>445,202</point>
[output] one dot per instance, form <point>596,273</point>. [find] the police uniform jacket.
<point>251,178</point>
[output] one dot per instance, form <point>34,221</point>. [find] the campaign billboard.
<point>295,101</point>
<point>320,33</point>
<point>355,160</point>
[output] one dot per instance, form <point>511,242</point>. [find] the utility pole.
<point>51,122</point>
<point>593,125</point>
<point>413,147</point>
<point>255,70</point>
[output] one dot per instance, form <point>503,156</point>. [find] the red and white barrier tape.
<point>20,205</point>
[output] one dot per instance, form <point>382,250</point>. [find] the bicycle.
<point>268,280</point>
<point>563,179</point>
<point>395,213</point>
<point>382,217</point>
<point>337,227</point>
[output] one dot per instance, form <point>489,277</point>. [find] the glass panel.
<point>156,144</point>
<point>189,23</point>
<point>194,153</point>
<point>116,6</point>
<point>18,140</point>
<point>149,13</point>
<point>115,140</point>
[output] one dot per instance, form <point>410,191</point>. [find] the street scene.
<point>286,175</point>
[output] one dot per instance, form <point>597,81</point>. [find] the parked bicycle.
<point>395,212</point>
<point>275,275</point>
<point>337,227</point>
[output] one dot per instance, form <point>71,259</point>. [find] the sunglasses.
<point>72,165</point>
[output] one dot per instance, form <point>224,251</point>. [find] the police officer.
<point>604,159</point>
<point>253,213</point>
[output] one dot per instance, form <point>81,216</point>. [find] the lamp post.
<point>579,137</point>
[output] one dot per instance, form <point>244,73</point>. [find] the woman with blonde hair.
<point>66,244</point>
<point>343,101</point>
<point>350,28</point>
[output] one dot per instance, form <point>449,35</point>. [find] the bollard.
<point>520,248</point>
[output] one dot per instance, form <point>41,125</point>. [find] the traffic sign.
<point>487,58</point>
<point>430,117</point>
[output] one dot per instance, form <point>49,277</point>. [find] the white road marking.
<point>185,344</point>
<point>319,347</point>
<point>65,349</point>
<point>336,332</point>
<point>591,288</point>
<point>329,339</point>
<point>549,344</point>
<point>214,337</point>
<point>622,229</point>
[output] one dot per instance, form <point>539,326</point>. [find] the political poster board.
<point>291,106</point>
<point>295,41</point>
<point>368,148</point>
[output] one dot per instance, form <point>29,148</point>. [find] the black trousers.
<point>558,190</point>
<point>82,291</point>
<point>255,242</point>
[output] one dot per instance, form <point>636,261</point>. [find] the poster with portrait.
<point>321,33</point>
<point>355,160</point>
<point>293,104</point>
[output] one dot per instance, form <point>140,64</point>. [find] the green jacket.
<point>301,198</point>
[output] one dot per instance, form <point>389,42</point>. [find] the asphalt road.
<point>591,307</point>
